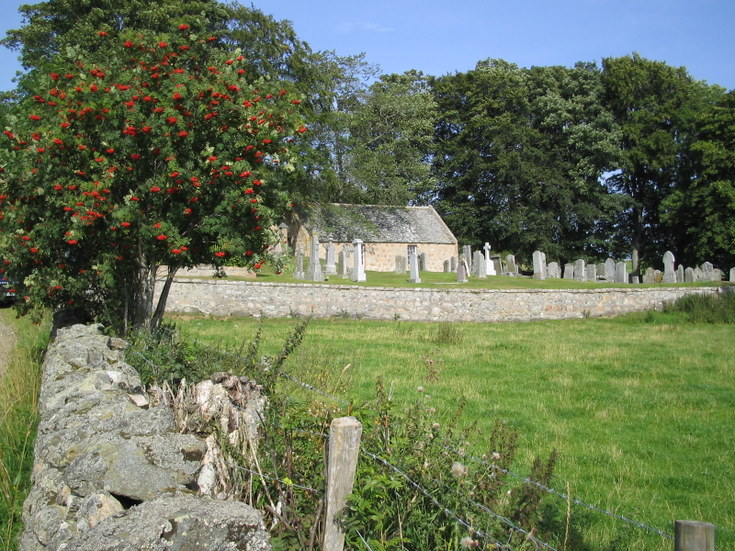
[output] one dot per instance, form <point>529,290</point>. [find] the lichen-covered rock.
<point>111,470</point>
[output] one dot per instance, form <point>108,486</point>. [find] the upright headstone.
<point>462,270</point>
<point>510,265</point>
<point>478,265</point>
<point>489,264</point>
<point>689,275</point>
<point>497,264</point>
<point>579,270</point>
<point>358,270</point>
<point>539,265</point>
<point>716,275</point>
<point>610,270</point>
<point>447,268</point>
<point>553,271</point>
<point>314,273</point>
<point>299,271</point>
<point>601,270</point>
<point>680,273</point>
<point>413,265</point>
<point>453,264</point>
<point>330,268</point>
<point>698,274</point>
<point>400,265</point>
<point>591,272</point>
<point>346,261</point>
<point>669,268</point>
<point>635,280</point>
<point>648,275</point>
<point>467,255</point>
<point>568,271</point>
<point>422,260</point>
<point>621,273</point>
<point>732,274</point>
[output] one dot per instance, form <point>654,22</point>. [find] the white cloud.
<point>348,27</point>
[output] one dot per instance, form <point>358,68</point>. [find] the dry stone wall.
<point>240,298</point>
<point>111,472</point>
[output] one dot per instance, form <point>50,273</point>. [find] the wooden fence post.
<point>691,535</point>
<point>344,446</point>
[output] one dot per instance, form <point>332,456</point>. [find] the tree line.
<point>627,159</point>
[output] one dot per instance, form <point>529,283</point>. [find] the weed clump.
<point>709,308</point>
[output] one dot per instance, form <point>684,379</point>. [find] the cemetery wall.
<point>242,298</point>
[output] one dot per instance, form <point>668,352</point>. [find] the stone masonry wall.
<point>239,298</point>
<point>111,472</point>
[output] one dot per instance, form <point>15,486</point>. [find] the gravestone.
<point>330,267</point>
<point>462,270</point>
<point>447,266</point>
<point>346,261</point>
<point>698,274</point>
<point>621,273</point>
<point>489,264</point>
<point>669,268</point>
<point>400,265</point>
<point>658,276</point>
<point>579,270</point>
<point>539,265</point>
<point>422,262</point>
<point>314,272</point>
<point>299,270</point>
<point>601,271</point>
<point>689,275</point>
<point>680,273</point>
<point>553,271</point>
<point>453,264</point>
<point>568,271</point>
<point>413,265</point>
<point>635,280</point>
<point>648,275</point>
<point>467,255</point>
<point>510,265</point>
<point>591,272</point>
<point>610,270</point>
<point>716,275</point>
<point>358,270</point>
<point>497,263</point>
<point>479,265</point>
<point>732,274</point>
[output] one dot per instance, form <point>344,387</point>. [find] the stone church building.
<point>386,231</point>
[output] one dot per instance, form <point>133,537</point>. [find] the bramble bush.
<point>164,152</point>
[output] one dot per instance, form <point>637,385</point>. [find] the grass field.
<point>640,408</point>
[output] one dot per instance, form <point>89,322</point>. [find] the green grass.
<point>19,389</point>
<point>640,408</point>
<point>449,280</point>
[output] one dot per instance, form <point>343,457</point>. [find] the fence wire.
<point>524,479</point>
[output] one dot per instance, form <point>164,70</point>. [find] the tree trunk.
<point>142,297</point>
<point>161,306</point>
<point>636,241</point>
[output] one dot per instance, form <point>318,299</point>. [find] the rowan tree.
<point>160,153</point>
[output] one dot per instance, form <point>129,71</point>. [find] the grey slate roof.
<point>377,224</point>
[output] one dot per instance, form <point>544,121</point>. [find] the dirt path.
<point>7,341</point>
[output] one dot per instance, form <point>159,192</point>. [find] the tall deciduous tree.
<point>391,137</point>
<point>700,212</point>
<point>158,153</point>
<point>651,102</point>
<point>519,155</point>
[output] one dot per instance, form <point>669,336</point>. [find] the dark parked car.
<point>7,293</point>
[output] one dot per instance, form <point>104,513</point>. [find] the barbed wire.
<point>528,480</point>
<point>433,499</point>
<point>289,482</point>
<point>524,479</point>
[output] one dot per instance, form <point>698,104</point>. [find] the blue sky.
<point>440,37</point>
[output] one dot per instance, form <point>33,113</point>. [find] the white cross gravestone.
<point>489,264</point>
<point>358,271</point>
